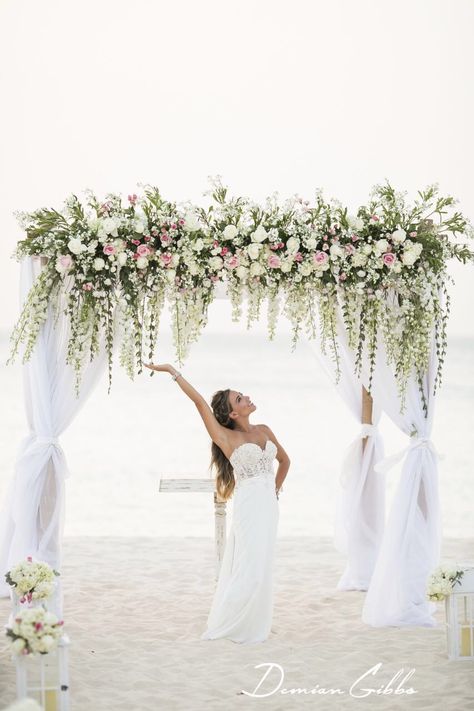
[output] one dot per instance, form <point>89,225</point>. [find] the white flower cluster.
<point>32,579</point>
<point>34,631</point>
<point>129,259</point>
<point>442,581</point>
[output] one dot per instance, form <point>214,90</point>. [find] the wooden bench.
<point>203,485</point>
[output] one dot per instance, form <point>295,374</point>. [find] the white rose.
<point>76,246</point>
<point>216,262</point>
<point>198,244</point>
<point>335,251</point>
<point>286,265</point>
<point>366,248</point>
<point>256,269</point>
<point>355,222</point>
<point>193,268</point>
<point>122,258</point>
<point>305,268</point>
<point>259,234</point>
<point>142,262</point>
<point>241,272</point>
<point>99,264</point>
<point>119,245</point>
<point>411,253</point>
<point>381,246</point>
<point>138,225</point>
<point>293,245</point>
<point>397,268</point>
<point>170,275</point>
<point>359,259</point>
<point>230,232</point>
<point>191,222</point>
<point>109,225</point>
<point>253,250</point>
<point>399,236</point>
<point>48,642</point>
<point>92,246</point>
<point>311,243</point>
<point>174,259</point>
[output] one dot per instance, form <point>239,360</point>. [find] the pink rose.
<point>135,241</point>
<point>224,250</point>
<point>320,257</point>
<point>29,559</point>
<point>165,258</point>
<point>342,276</point>
<point>109,249</point>
<point>64,262</point>
<point>132,199</point>
<point>274,261</point>
<point>165,239</point>
<point>374,218</point>
<point>181,222</point>
<point>354,238</point>
<point>87,286</point>
<point>298,257</point>
<point>349,249</point>
<point>232,262</point>
<point>173,226</point>
<point>389,258</point>
<point>143,250</point>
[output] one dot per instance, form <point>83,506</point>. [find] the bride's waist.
<point>265,477</point>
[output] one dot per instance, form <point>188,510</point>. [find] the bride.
<point>243,455</point>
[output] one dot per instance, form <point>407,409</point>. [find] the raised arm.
<point>218,433</point>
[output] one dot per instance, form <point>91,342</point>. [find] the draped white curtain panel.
<point>33,515</point>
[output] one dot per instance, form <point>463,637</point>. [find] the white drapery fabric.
<point>360,508</point>
<point>411,544</point>
<point>33,516</point>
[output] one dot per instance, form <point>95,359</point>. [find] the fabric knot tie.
<point>416,442</point>
<point>54,441</point>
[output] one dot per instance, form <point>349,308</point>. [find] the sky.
<point>273,96</point>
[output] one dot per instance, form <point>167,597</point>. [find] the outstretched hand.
<point>164,367</point>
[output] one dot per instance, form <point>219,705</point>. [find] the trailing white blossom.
<point>112,264</point>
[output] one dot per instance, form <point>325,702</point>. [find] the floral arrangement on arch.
<point>442,581</point>
<point>112,265</point>
<point>34,630</point>
<point>32,580</point>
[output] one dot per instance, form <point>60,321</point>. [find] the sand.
<point>135,607</point>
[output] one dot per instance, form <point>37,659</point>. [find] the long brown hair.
<point>225,481</point>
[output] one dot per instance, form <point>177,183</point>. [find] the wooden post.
<point>220,512</point>
<point>366,415</point>
<point>220,516</point>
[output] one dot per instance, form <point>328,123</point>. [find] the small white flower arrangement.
<point>442,581</point>
<point>35,630</point>
<point>32,580</point>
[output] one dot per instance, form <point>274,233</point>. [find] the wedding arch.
<point>371,286</point>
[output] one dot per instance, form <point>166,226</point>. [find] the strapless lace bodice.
<point>251,462</point>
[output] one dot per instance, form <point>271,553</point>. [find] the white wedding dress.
<point>242,607</point>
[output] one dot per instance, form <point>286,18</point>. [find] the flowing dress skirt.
<point>242,607</point>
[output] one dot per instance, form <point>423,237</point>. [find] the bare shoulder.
<point>266,429</point>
